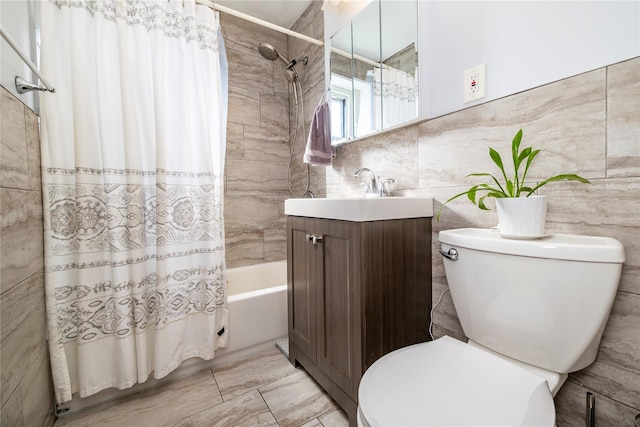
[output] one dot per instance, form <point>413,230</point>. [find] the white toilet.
<point>533,310</point>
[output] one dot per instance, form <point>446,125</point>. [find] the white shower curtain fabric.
<point>398,93</point>
<point>133,144</point>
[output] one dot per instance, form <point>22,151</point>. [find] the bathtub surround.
<point>588,124</point>
<point>26,391</point>
<point>259,127</point>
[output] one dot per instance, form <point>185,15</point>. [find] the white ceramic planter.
<point>522,217</point>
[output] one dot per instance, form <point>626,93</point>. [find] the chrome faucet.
<point>375,187</point>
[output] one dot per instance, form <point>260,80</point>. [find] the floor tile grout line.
<point>267,405</point>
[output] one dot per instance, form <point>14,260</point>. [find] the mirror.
<point>374,67</point>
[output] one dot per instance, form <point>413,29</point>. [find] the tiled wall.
<point>588,124</point>
<point>26,391</point>
<point>261,117</point>
<point>310,23</point>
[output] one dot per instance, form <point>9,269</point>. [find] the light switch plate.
<point>474,83</point>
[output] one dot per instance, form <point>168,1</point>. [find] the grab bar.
<point>23,86</point>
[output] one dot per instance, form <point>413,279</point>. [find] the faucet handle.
<point>368,187</point>
<point>386,187</point>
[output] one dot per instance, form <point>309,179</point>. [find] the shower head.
<point>290,74</point>
<point>269,52</point>
<point>292,77</point>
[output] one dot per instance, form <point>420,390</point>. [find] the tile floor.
<point>259,390</point>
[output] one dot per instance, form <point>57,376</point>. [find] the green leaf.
<point>532,156</point>
<point>523,155</point>
<point>481,204</point>
<point>515,145</point>
<point>471,194</point>
<point>562,177</point>
<point>495,156</point>
<point>510,189</point>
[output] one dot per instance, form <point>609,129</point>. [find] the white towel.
<point>318,151</point>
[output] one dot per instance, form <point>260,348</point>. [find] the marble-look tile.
<point>445,314</point>
<point>37,392</point>
<point>21,243</point>
<point>571,406</point>
<point>249,373</point>
<point>235,141</point>
<point>565,119</point>
<point>274,111</point>
<point>245,37</point>
<point>440,332</point>
<point>246,410</point>
<point>337,418</point>
<point>275,244</point>
<point>244,247</point>
<point>318,20</point>
<point>616,371</point>
<point>267,143</point>
<point>250,212</point>
<point>332,180</point>
<point>167,402</point>
<point>296,399</point>
<point>606,208</point>
<point>250,72</point>
<point>281,85</point>
<point>11,412</point>
<point>14,159</point>
<point>389,155</point>
<point>32,129</point>
<point>244,107</point>
<point>22,315</point>
<point>254,177</point>
<point>623,119</point>
<point>313,423</point>
<point>318,180</point>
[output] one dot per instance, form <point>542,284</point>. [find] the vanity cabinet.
<point>356,291</point>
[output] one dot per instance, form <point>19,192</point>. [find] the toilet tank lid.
<point>554,246</point>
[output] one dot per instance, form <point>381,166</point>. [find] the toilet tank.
<point>544,302</point>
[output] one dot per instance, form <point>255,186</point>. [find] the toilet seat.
<point>449,383</point>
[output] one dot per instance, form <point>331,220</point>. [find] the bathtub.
<point>257,300</point>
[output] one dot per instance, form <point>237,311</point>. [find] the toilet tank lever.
<point>451,254</point>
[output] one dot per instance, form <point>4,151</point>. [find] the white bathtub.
<point>257,300</point>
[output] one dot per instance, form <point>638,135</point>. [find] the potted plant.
<point>521,213</point>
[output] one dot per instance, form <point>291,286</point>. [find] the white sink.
<point>361,209</point>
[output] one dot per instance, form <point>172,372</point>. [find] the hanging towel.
<point>319,151</point>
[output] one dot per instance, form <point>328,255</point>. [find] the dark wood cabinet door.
<point>339,316</point>
<point>302,292</point>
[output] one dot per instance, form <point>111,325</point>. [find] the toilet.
<point>532,310</point>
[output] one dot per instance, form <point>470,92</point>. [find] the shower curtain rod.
<point>22,85</point>
<point>241,15</point>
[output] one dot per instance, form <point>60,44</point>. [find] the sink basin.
<point>361,209</point>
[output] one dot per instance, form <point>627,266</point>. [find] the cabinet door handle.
<point>314,239</point>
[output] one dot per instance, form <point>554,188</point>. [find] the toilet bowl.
<point>533,312</point>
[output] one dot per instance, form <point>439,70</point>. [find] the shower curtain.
<point>133,144</point>
<point>398,93</point>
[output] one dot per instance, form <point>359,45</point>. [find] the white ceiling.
<point>280,12</point>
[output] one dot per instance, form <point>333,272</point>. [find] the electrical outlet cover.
<point>474,83</point>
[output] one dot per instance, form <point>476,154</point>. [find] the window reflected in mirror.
<point>374,68</point>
